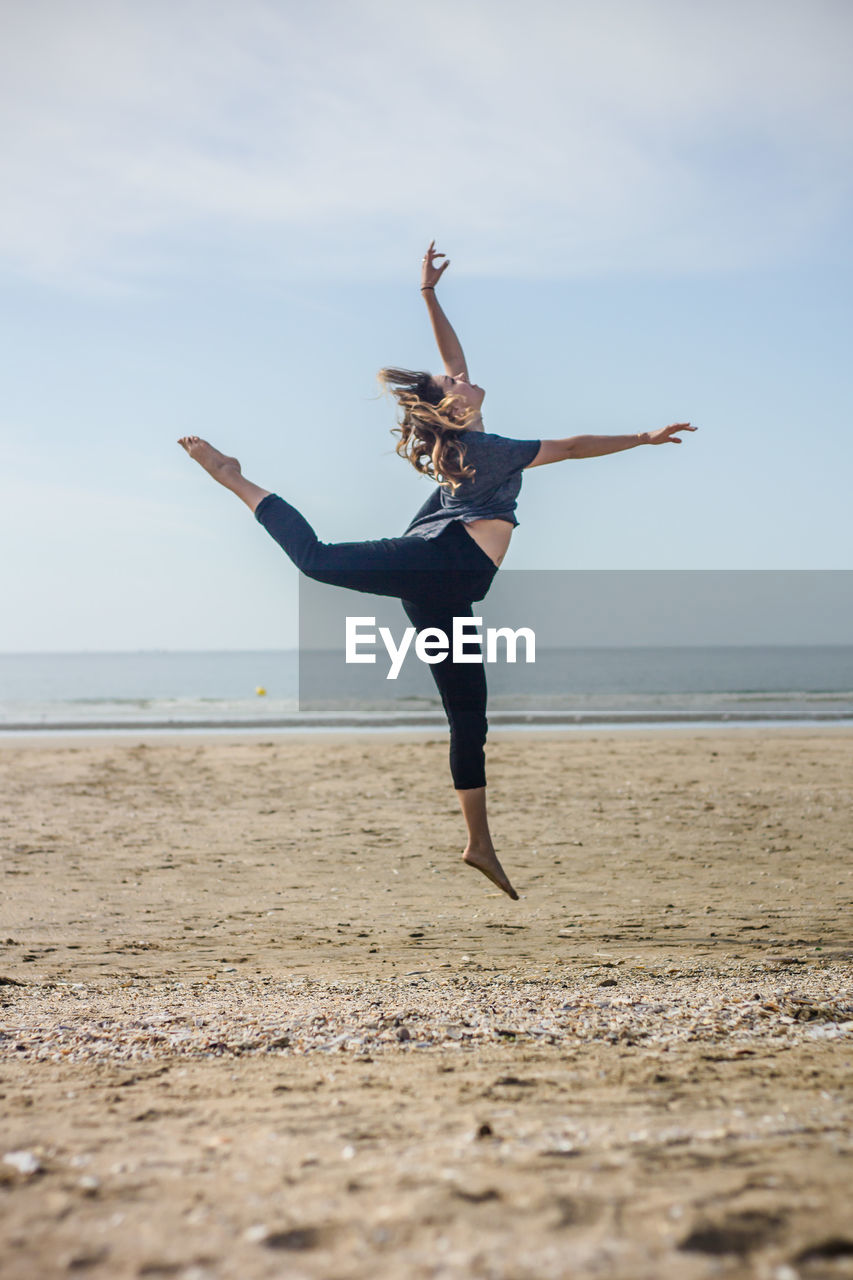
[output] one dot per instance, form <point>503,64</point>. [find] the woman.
<point>452,549</point>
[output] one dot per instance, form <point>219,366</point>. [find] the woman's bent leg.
<point>462,687</point>
<point>480,852</point>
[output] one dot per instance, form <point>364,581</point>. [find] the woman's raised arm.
<point>598,446</point>
<point>449,347</point>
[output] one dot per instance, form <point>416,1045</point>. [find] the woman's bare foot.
<point>485,859</point>
<point>225,470</point>
<point>222,468</point>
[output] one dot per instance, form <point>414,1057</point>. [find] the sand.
<point>258,1020</point>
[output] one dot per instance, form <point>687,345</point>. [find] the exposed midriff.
<point>493,536</point>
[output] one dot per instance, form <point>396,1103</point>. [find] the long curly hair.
<point>430,426</point>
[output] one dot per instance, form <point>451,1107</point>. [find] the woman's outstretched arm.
<point>598,446</point>
<point>449,346</point>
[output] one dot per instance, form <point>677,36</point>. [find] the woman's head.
<point>459,400</point>
<point>457,387</point>
<point>434,413</point>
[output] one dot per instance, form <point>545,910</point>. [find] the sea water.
<point>573,685</point>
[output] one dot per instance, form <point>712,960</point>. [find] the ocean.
<point>572,686</point>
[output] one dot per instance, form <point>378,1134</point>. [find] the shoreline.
<point>653,721</point>
<point>200,735</point>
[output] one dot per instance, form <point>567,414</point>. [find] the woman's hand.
<point>665,435</point>
<point>430,273</point>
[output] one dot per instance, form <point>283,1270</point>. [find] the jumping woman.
<point>452,549</point>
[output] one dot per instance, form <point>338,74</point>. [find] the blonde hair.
<point>429,426</point>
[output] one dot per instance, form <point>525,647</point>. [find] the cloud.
<point>562,138</point>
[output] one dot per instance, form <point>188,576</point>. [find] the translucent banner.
<point>587,646</point>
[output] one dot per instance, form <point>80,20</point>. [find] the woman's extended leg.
<point>416,568</point>
<point>462,686</point>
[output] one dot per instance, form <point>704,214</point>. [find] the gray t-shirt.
<point>490,494</point>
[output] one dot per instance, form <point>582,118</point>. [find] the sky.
<point>213,220</point>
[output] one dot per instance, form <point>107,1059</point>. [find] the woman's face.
<point>469,393</point>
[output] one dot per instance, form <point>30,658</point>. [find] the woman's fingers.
<point>433,266</point>
<point>666,435</point>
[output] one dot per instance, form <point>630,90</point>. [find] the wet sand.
<point>259,1020</point>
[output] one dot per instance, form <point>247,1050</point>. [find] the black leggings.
<point>436,579</point>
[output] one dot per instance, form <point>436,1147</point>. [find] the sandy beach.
<point>260,1021</point>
